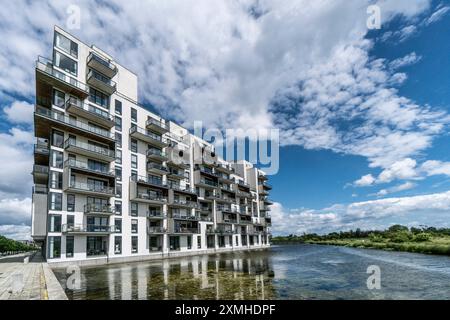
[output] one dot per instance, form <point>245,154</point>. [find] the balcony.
<point>156,168</point>
<point>151,198</point>
<point>225,231</point>
<point>177,174</point>
<point>97,209</point>
<point>267,186</point>
<point>155,154</point>
<point>183,230</point>
<point>224,177</point>
<point>85,168</point>
<point>177,188</point>
<point>89,150</point>
<point>155,214</point>
<point>90,112</point>
<point>226,168</point>
<point>207,171</point>
<point>88,229</point>
<point>101,64</point>
<point>243,194</point>
<point>243,184</point>
<point>148,181</point>
<point>156,230</point>
<point>105,84</point>
<point>148,137</point>
<point>156,126</point>
<point>41,149</point>
<point>90,189</point>
<point>40,174</point>
<point>180,203</point>
<point>207,184</point>
<point>225,199</point>
<point>46,118</point>
<point>226,187</point>
<point>46,71</point>
<point>244,221</point>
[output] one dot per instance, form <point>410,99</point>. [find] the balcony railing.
<point>156,166</point>
<point>91,187</point>
<point>154,122</point>
<point>156,152</point>
<point>40,169</point>
<point>71,122</point>
<point>187,203</point>
<point>98,208</point>
<point>46,65</point>
<point>42,148</point>
<point>151,197</point>
<point>185,230</point>
<point>98,76</point>
<point>102,61</point>
<point>88,228</point>
<point>85,166</point>
<point>208,182</point>
<point>156,230</point>
<point>149,180</point>
<point>177,187</point>
<point>40,189</point>
<point>155,214</point>
<point>89,147</point>
<point>148,134</point>
<point>71,102</point>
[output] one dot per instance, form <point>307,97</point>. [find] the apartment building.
<point>116,182</point>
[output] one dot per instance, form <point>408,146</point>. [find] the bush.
<point>400,237</point>
<point>422,237</point>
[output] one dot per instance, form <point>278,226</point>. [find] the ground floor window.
<point>236,241</point>
<point>69,246</point>
<point>210,241</point>
<point>96,246</point>
<point>244,240</point>
<point>251,240</point>
<point>221,241</point>
<point>155,243</point>
<point>174,243</point>
<point>189,242</point>
<point>54,247</point>
<point>118,245</point>
<point>199,242</point>
<point>134,244</point>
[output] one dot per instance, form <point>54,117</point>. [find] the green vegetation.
<point>428,240</point>
<point>11,246</point>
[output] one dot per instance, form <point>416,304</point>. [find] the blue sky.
<point>363,114</point>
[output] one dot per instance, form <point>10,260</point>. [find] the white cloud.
<point>364,181</point>
<point>16,232</point>
<point>19,112</point>
<point>434,167</point>
<point>407,60</point>
<point>431,209</point>
<point>15,211</point>
<point>403,169</point>
<point>437,15</point>
<point>401,187</point>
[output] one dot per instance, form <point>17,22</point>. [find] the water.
<point>282,272</point>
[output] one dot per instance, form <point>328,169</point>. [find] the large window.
<point>118,123</point>
<point>189,242</point>
<point>65,63</point>
<point>118,225</point>
<point>134,244</point>
<point>66,44</point>
<point>118,171</point>
<point>117,245</point>
<point>174,243</point>
<point>118,190</point>
<point>118,137</point>
<point>134,226</point>
<point>118,207</point>
<point>55,201</point>
<point>54,223</point>
<point>99,98</point>
<point>118,156</point>
<point>97,166</point>
<point>134,145</point>
<point>69,246</point>
<point>59,98</point>
<point>57,139</point>
<point>71,202</point>
<point>134,161</point>
<point>134,209</point>
<point>56,179</point>
<point>54,247</point>
<point>118,107</point>
<point>133,115</point>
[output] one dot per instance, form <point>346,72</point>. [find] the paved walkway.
<point>28,281</point>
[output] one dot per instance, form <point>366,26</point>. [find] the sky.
<point>363,113</point>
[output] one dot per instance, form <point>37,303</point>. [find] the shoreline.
<point>427,248</point>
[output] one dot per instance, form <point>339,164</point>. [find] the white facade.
<point>115,182</point>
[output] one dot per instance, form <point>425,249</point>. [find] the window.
<point>118,190</point>
<point>199,242</point>
<point>65,63</point>
<point>56,180</point>
<point>70,221</point>
<point>66,44</point>
<point>237,241</point>
<point>54,223</point>
<point>97,166</point>
<point>134,226</point>
<point>99,98</point>
<point>189,242</point>
<point>118,156</point>
<point>118,107</point>
<point>69,246</point>
<point>118,225</point>
<point>134,160</point>
<point>134,244</point>
<point>118,122</point>
<point>118,245</point>
<point>54,247</point>
<point>118,139</point>
<point>57,139</point>
<point>58,98</point>
<point>71,202</point>
<point>134,145</point>
<point>119,174</point>
<point>174,243</point>
<point>134,209</point>
<point>56,159</point>
<point>55,201</point>
<point>133,115</point>
<point>134,175</point>
<point>118,207</point>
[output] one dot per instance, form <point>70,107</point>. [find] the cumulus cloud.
<point>401,187</point>
<point>407,60</point>
<point>16,232</point>
<point>364,181</point>
<point>375,214</point>
<point>15,211</point>
<point>19,112</point>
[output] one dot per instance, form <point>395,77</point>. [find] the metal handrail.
<point>89,147</point>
